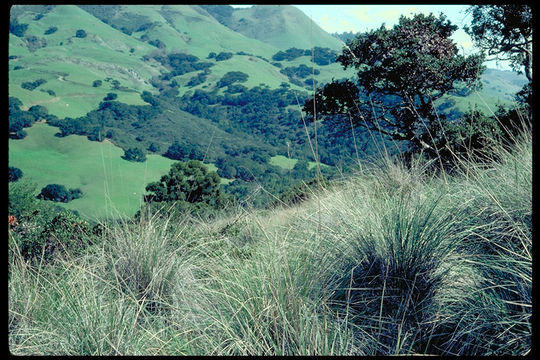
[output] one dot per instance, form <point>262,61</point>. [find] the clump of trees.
<point>59,193</point>
<point>134,154</point>
<point>80,33</point>
<point>179,64</point>
<point>20,119</point>
<point>31,85</point>
<point>14,174</point>
<point>110,97</point>
<point>320,56</point>
<point>50,30</point>
<point>178,151</point>
<point>17,28</point>
<point>302,71</point>
<point>222,56</point>
<point>232,77</point>
<point>188,185</point>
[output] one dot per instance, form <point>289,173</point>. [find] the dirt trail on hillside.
<point>39,102</point>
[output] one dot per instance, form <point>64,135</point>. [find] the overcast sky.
<point>361,18</point>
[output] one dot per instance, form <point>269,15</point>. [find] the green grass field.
<point>110,184</point>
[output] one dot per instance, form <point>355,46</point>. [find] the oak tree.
<point>401,72</point>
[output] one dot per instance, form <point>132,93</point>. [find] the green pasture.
<point>111,185</point>
<point>70,65</point>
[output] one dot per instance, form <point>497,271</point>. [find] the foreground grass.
<point>394,261</point>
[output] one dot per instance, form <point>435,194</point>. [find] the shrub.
<point>110,97</point>
<point>33,84</point>
<point>14,174</point>
<point>17,29</point>
<point>50,30</point>
<point>232,77</point>
<point>97,83</point>
<point>80,33</point>
<point>134,154</point>
<point>59,193</point>
<point>222,56</point>
<point>65,234</point>
<point>154,147</point>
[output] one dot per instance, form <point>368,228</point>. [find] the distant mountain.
<point>283,26</point>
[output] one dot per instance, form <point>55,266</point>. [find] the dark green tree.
<point>400,73</point>
<point>14,174</point>
<point>505,33</point>
<point>16,28</point>
<point>110,97</point>
<point>176,151</point>
<point>59,193</point>
<point>80,33</point>
<point>134,154</point>
<point>50,30</point>
<point>187,182</point>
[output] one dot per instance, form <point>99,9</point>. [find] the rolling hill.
<point>223,82</point>
<point>283,26</point>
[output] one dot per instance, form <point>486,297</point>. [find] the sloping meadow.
<point>396,260</point>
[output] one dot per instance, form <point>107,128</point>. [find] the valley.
<point>195,75</point>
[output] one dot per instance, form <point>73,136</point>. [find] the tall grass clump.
<point>495,319</point>
<point>401,259</point>
<point>272,303</point>
<point>69,307</point>
<point>395,237</point>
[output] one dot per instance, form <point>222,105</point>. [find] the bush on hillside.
<point>222,56</point>
<point>134,154</point>
<point>16,28</point>
<point>232,77</point>
<point>110,97</point>
<point>187,183</point>
<point>31,85</point>
<point>14,174</point>
<point>80,33</point>
<point>50,30</point>
<point>59,193</point>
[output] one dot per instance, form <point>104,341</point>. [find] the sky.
<point>361,18</point>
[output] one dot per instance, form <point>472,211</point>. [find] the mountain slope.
<point>282,26</point>
<point>69,64</point>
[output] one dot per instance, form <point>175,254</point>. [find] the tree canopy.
<point>59,193</point>
<point>400,73</point>
<point>187,182</point>
<point>504,32</point>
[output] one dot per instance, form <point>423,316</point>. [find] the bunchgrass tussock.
<point>397,260</point>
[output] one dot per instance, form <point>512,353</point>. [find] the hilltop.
<point>283,26</point>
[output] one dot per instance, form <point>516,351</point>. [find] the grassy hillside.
<point>395,261</point>
<point>282,26</point>
<point>70,64</point>
<point>122,52</point>
<point>110,185</point>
